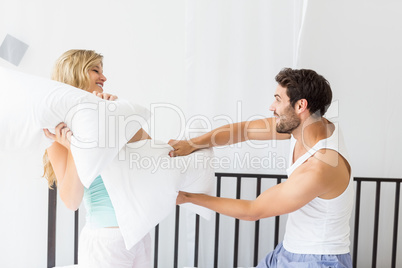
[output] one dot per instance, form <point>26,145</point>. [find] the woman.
<point>101,243</point>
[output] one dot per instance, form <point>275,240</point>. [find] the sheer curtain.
<point>233,51</point>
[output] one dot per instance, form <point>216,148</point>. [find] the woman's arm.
<point>140,135</point>
<point>69,184</point>
<point>70,187</point>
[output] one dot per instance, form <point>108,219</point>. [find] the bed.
<point>374,226</point>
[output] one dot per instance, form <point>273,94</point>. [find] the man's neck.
<point>312,130</point>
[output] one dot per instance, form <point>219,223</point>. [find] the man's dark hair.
<point>306,84</point>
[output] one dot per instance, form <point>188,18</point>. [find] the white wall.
<point>356,45</point>
<point>206,57</point>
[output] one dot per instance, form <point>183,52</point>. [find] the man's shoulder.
<point>325,158</point>
<point>323,164</point>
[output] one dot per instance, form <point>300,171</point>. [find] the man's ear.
<point>301,106</point>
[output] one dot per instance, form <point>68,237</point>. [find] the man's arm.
<point>277,200</point>
<point>262,129</point>
<point>312,179</point>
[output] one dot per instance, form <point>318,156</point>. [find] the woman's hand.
<point>62,135</point>
<point>181,147</point>
<point>105,96</point>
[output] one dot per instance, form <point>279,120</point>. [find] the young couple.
<point>318,194</point>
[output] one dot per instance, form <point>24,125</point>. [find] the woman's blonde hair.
<point>72,68</point>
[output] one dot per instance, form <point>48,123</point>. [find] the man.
<point>318,194</point>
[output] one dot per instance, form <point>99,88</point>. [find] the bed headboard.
<point>362,185</point>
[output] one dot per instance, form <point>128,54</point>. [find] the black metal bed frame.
<point>239,176</point>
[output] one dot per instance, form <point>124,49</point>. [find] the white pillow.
<point>101,128</point>
<point>142,196</point>
<point>143,181</point>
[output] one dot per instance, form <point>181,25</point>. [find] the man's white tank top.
<point>321,226</point>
